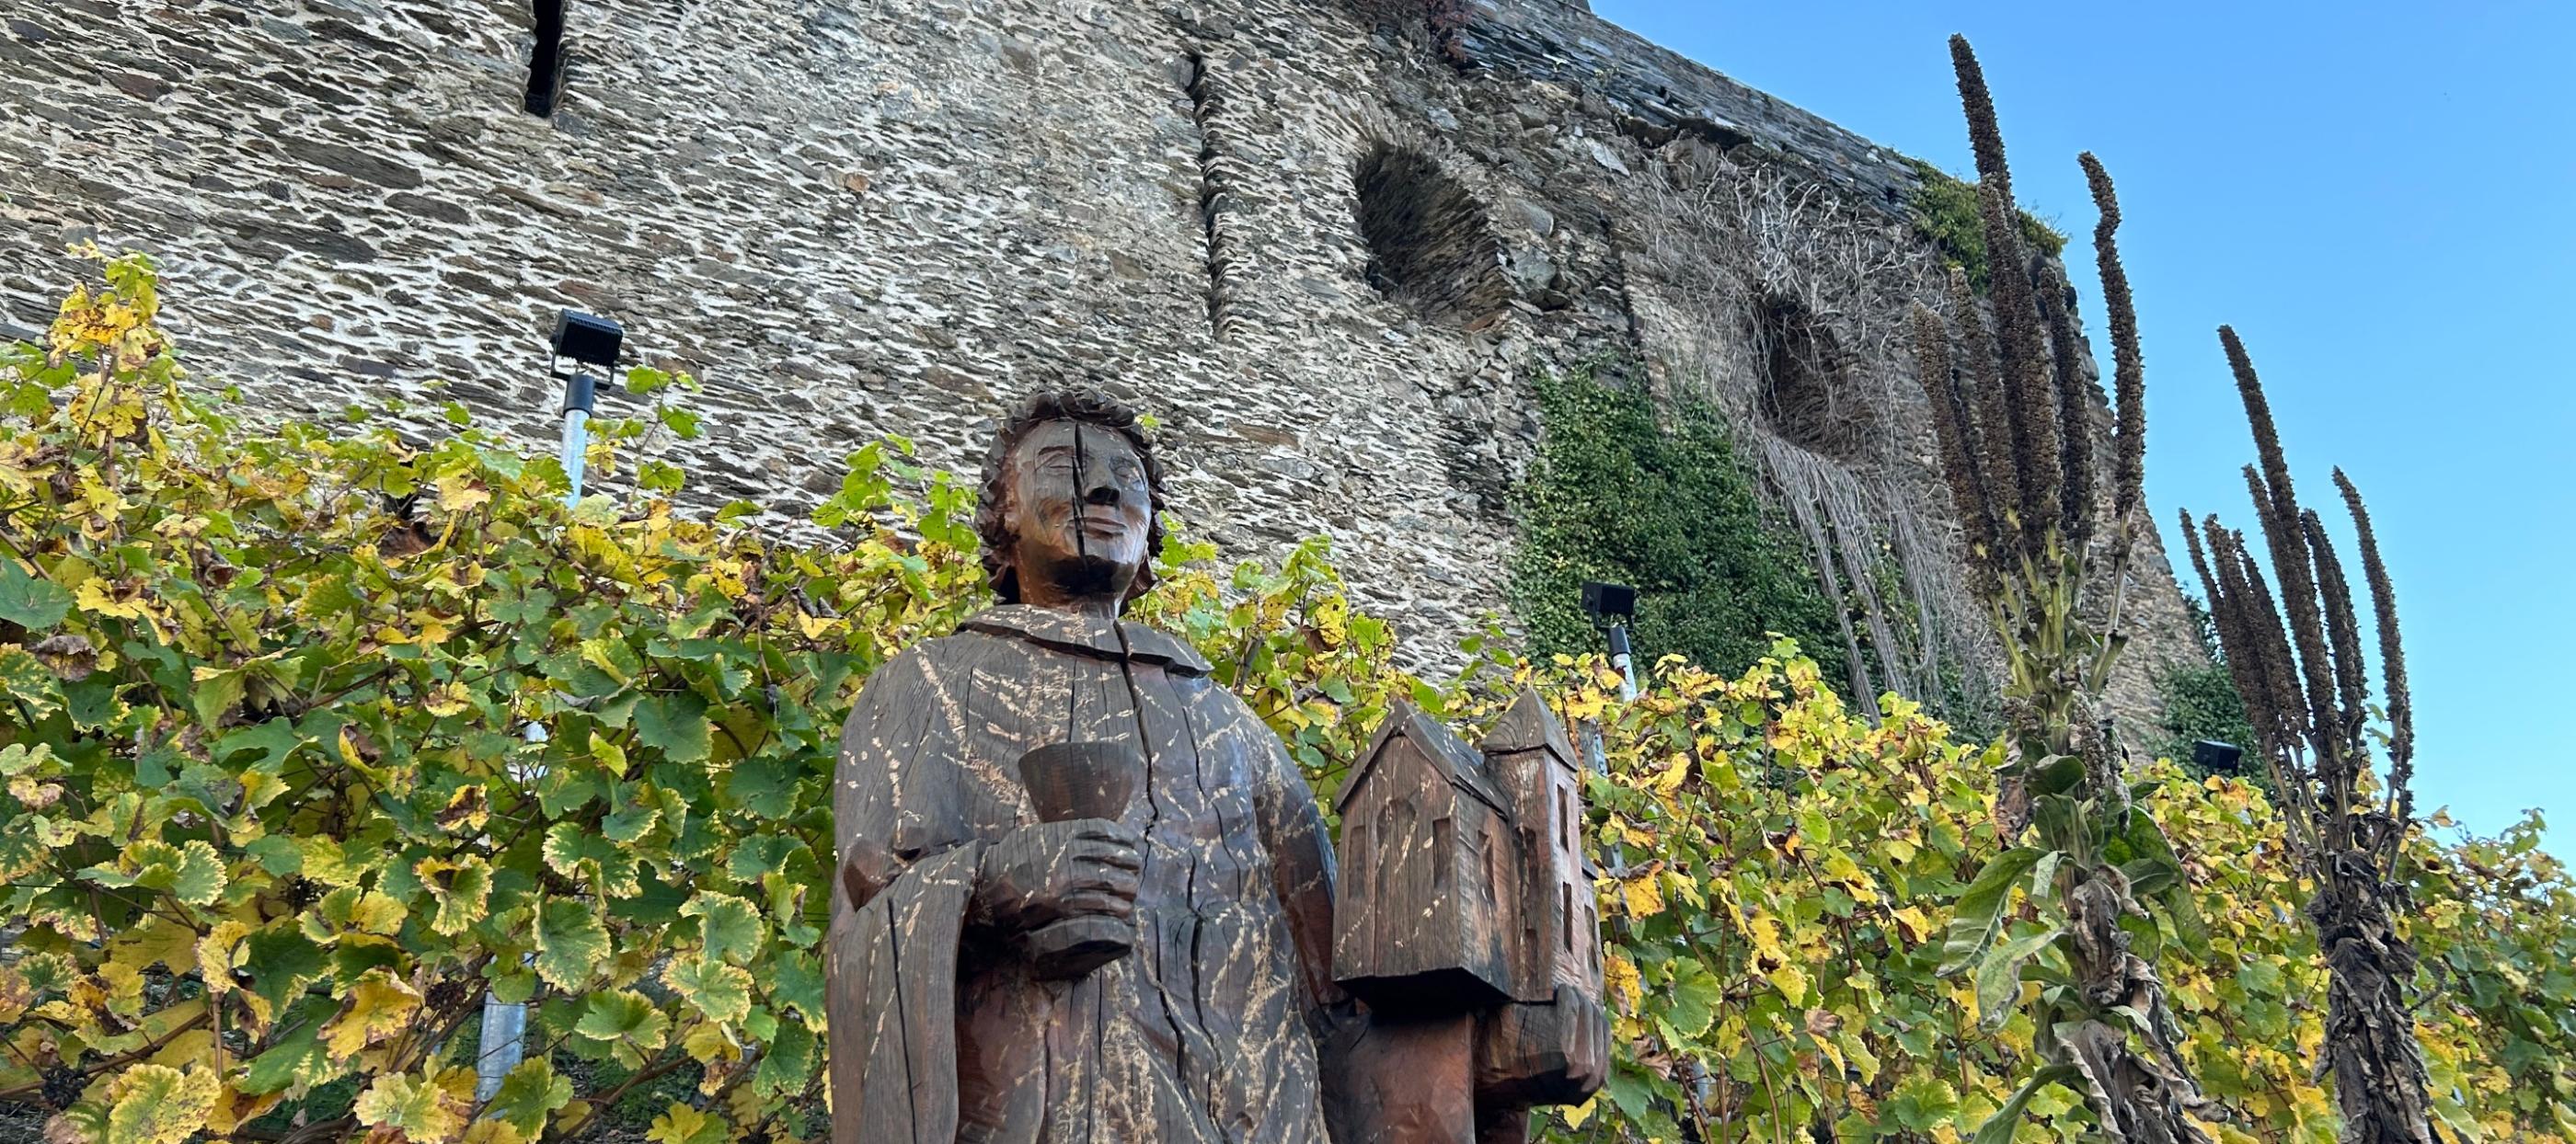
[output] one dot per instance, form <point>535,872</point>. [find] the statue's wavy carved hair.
<point>1090,407</point>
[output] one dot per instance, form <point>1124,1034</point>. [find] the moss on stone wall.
<point>1945,208</point>
<point>1618,493</point>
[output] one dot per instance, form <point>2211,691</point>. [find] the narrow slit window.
<point>546,58</point>
<point>1567,892</point>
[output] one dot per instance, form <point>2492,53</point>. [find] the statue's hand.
<point>1049,871</point>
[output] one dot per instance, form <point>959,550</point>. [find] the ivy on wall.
<point>1619,494</point>
<point>2197,701</point>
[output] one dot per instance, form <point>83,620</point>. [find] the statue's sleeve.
<point>1301,862</point>
<point>906,875</point>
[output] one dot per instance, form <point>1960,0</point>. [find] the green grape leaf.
<point>730,926</point>
<point>572,943</point>
<point>722,992</point>
<point>31,602</point>
<point>528,1094</point>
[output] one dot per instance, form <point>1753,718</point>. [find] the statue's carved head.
<point>1070,500</point>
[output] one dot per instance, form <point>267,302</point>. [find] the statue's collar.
<point>1084,635</point>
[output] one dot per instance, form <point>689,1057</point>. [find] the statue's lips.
<point>1100,529</point>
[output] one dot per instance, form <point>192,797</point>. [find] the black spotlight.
<point>1609,605</point>
<point>2217,758</point>
<point>587,339</point>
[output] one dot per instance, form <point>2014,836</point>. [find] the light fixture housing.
<point>1609,604</point>
<point>2217,757</point>
<point>588,339</point>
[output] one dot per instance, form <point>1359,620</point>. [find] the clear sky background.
<point>2381,198</point>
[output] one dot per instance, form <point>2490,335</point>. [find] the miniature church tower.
<point>1560,938</point>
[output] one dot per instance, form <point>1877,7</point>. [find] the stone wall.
<point>1327,241</point>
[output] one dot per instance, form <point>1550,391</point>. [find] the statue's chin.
<point>1090,577</point>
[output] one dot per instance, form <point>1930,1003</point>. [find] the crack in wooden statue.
<point>1086,896</point>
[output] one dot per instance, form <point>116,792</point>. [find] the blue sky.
<point>2381,198</point>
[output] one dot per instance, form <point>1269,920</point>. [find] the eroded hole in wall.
<point>1808,397</point>
<point>546,58</point>
<point>1429,244</point>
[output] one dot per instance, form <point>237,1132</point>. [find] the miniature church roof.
<point>1457,762</point>
<point>1528,726</point>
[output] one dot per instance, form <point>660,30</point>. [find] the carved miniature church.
<point>1463,882</point>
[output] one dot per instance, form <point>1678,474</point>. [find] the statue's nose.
<point>1101,493</point>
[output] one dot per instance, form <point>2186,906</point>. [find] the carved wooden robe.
<point>1207,1032</point>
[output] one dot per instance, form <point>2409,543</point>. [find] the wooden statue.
<point>1087,897</point>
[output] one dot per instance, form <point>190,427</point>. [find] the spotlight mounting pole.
<point>588,341</point>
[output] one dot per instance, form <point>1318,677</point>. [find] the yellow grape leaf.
<point>1575,1116</point>
<point>493,1132</point>
<point>460,492</point>
<point>1791,981</point>
<point>380,913</point>
<point>686,1125</point>
<point>1675,773</point>
<point>156,1104</point>
<point>708,1042</point>
<point>434,628</point>
<point>327,862</point>
<point>461,889</point>
<point>466,811</point>
<point>15,995</point>
<point>93,598</point>
<point>1630,834</point>
<point>232,1109</point>
<point>219,954</point>
<point>1620,976</point>
<point>1643,898</point>
<point>1686,888</point>
<point>424,1111</point>
<point>377,1007</point>
<point>447,698</point>
<point>1916,926</point>
<point>124,988</point>
<point>186,1048</point>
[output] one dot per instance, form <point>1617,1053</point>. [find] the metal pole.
<point>580,397</point>
<point>505,1031</point>
<point>505,1024</point>
<point>1625,662</point>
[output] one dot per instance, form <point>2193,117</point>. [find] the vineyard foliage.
<point>312,736</point>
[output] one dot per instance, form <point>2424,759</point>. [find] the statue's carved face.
<point>1079,511</point>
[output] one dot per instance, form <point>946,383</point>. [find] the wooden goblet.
<point>1092,779</point>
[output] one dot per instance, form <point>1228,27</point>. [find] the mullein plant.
<point>2012,411</point>
<point>2306,694</point>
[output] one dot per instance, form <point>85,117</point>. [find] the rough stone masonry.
<point>1328,241</point>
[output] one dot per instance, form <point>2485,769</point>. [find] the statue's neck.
<point>1101,608</point>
